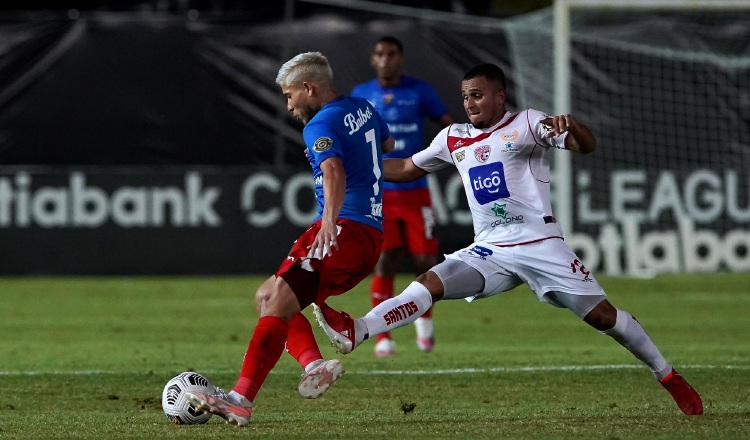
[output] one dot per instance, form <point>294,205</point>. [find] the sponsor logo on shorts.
<point>480,251</point>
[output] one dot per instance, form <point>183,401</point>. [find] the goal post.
<point>664,84</point>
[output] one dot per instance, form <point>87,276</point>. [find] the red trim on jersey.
<point>454,142</point>
<point>528,242</point>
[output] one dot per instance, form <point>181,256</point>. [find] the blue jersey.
<point>350,129</point>
<point>404,108</point>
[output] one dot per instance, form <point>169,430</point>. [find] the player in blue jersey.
<point>408,219</point>
<point>344,138</point>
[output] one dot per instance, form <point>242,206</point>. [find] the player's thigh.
<point>580,305</point>
<point>359,249</point>
<point>314,280</point>
<point>550,265</point>
<point>299,271</point>
<point>487,276</point>
<point>459,279</point>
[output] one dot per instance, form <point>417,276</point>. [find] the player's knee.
<point>602,317</point>
<point>423,263</point>
<point>281,302</point>
<point>262,294</point>
<point>433,283</point>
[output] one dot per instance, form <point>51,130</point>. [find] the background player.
<point>501,157</point>
<point>408,219</point>
<point>344,137</point>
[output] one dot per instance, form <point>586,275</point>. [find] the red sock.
<point>301,342</point>
<point>264,350</point>
<point>381,290</point>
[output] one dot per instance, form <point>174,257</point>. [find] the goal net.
<point>665,87</point>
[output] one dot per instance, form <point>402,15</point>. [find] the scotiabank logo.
<point>488,183</point>
<point>80,204</point>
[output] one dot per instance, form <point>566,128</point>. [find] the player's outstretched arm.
<point>401,170</point>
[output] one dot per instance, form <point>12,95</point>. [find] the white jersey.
<point>505,173</point>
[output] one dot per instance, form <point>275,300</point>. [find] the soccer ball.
<point>176,407</point>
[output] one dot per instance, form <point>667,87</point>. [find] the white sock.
<point>396,312</point>
<point>424,327</point>
<point>630,334</point>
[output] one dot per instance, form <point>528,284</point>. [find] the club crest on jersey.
<point>460,155</point>
<point>482,153</point>
<point>322,144</point>
<point>388,98</point>
<point>507,137</point>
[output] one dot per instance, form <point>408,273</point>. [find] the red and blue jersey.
<point>404,108</point>
<point>350,129</point>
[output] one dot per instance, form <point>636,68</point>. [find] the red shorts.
<point>359,250</point>
<point>409,222</point>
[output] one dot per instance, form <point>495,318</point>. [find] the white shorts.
<point>546,266</point>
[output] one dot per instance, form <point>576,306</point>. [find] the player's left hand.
<point>560,124</point>
<point>325,241</point>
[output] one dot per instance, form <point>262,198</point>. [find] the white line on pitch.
<point>397,372</point>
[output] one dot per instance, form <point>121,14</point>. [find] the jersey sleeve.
<point>542,132</point>
<point>432,105</point>
<point>436,155</point>
<point>322,141</point>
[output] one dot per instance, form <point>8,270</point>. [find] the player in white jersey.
<point>501,157</point>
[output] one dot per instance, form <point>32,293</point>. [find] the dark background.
<point>137,95</point>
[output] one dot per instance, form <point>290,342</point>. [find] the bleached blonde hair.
<point>309,66</point>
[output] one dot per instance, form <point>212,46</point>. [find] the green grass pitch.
<point>87,358</point>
